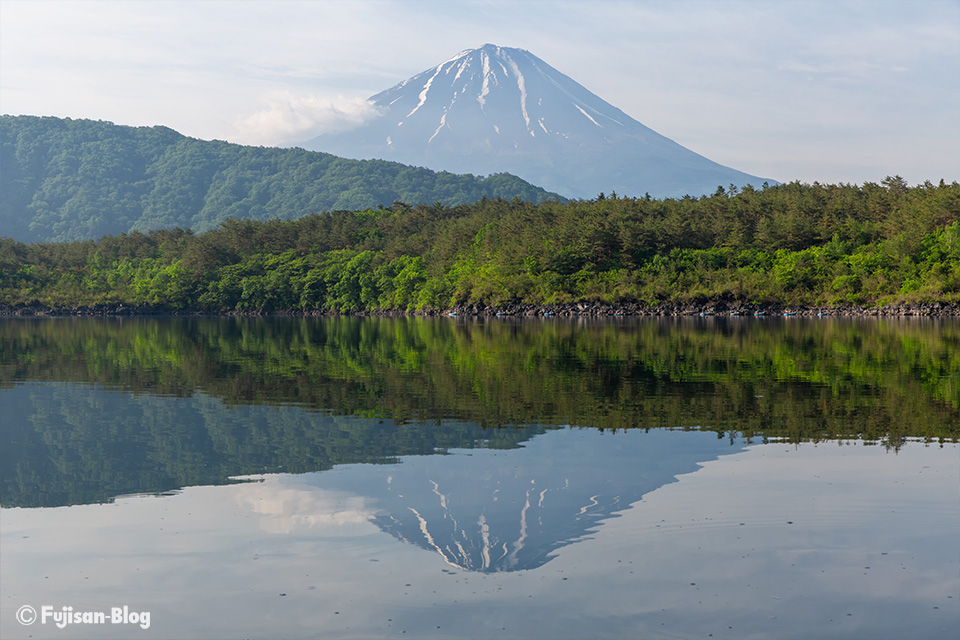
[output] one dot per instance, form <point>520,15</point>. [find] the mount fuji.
<point>498,109</point>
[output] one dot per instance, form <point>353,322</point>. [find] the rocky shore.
<point>516,309</point>
<point>702,310</point>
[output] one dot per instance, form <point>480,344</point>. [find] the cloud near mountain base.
<point>286,119</point>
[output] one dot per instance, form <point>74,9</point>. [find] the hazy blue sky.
<point>834,91</point>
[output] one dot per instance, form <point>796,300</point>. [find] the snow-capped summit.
<point>499,109</point>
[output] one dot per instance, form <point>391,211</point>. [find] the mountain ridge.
<point>65,179</point>
<point>504,109</point>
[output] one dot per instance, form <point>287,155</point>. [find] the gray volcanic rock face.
<point>497,109</point>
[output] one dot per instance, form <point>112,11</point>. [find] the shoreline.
<point>510,310</point>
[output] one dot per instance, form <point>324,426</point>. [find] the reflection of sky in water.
<point>287,509</point>
<point>840,541</point>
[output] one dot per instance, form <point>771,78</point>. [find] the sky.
<point>835,91</point>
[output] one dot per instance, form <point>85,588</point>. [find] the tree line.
<point>789,244</point>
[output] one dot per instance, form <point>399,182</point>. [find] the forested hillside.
<point>791,244</point>
<point>65,180</point>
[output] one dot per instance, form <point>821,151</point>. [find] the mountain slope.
<point>498,109</point>
<point>64,180</point>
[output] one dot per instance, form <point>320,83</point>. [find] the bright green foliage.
<point>790,244</point>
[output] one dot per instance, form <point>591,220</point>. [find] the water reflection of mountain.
<point>63,443</point>
<point>492,511</point>
<point>503,500</point>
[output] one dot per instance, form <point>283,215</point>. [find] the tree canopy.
<point>790,244</point>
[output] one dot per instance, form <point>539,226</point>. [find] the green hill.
<point>67,180</point>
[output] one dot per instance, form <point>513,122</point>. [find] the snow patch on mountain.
<point>521,84</point>
<point>423,94</point>
<point>589,117</point>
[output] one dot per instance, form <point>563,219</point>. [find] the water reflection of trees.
<point>880,381</point>
<point>805,380</point>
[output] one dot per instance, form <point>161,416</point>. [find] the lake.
<point>450,478</point>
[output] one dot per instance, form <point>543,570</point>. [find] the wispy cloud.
<point>288,119</point>
<point>286,504</point>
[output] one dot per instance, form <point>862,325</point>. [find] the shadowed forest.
<point>66,180</point>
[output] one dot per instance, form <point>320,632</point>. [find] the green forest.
<point>67,180</point>
<point>788,245</point>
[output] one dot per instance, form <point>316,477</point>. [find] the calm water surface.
<point>367,478</point>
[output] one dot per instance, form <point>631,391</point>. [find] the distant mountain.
<point>63,180</point>
<point>497,109</point>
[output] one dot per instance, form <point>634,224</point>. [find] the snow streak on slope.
<point>523,93</point>
<point>579,108</point>
<point>423,94</point>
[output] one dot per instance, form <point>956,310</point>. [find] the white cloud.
<point>289,119</point>
<point>285,505</point>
